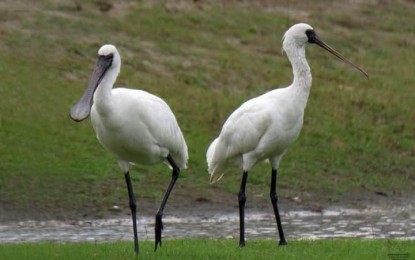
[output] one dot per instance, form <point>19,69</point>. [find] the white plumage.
<point>141,130</point>
<point>264,127</point>
<point>261,128</point>
<point>133,125</point>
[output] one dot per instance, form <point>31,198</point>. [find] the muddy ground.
<point>181,204</point>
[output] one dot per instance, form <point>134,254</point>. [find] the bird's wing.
<point>166,130</point>
<point>245,127</point>
<point>161,124</point>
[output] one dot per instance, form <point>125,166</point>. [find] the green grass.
<point>204,60</point>
<point>215,249</point>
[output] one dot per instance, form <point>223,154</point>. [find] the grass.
<point>216,249</point>
<point>357,134</point>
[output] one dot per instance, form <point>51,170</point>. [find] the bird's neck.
<point>103,94</point>
<point>302,73</point>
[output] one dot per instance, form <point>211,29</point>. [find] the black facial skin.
<point>108,58</point>
<point>311,35</point>
<point>105,62</point>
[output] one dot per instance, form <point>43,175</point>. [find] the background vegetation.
<point>204,58</point>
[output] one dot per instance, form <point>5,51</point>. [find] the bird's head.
<point>299,35</point>
<point>108,60</point>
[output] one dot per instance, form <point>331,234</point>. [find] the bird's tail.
<point>215,167</point>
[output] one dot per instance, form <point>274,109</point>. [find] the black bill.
<point>81,110</point>
<point>313,38</point>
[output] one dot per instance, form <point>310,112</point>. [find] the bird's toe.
<point>158,230</point>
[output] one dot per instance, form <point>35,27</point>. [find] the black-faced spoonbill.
<point>133,125</point>
<point>264,127</point>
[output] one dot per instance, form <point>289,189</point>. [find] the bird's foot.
<point>242,243</point>
<point>282,243</point>
<point>158,229</point>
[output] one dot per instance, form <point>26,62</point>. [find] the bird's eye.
<point>109,56</point>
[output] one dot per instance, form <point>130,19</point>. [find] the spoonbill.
<point>134,126</point>
<point>264,127</point>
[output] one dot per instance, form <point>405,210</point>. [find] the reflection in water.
<point>333,223</point>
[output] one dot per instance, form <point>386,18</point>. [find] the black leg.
<point>159,215</point>
<point>274,200</point>
<point>133,208</point>
<point>242,200</point>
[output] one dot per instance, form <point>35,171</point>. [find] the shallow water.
<point>330,223</point>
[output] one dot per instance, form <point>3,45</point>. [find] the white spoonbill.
<point>133,125</point>
<point>264,127</point>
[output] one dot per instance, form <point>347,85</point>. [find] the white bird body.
<point>133,125</point>
<point>263,127</point>
<point>138,127</point>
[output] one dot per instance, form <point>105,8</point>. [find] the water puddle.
<point>331,223</point>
